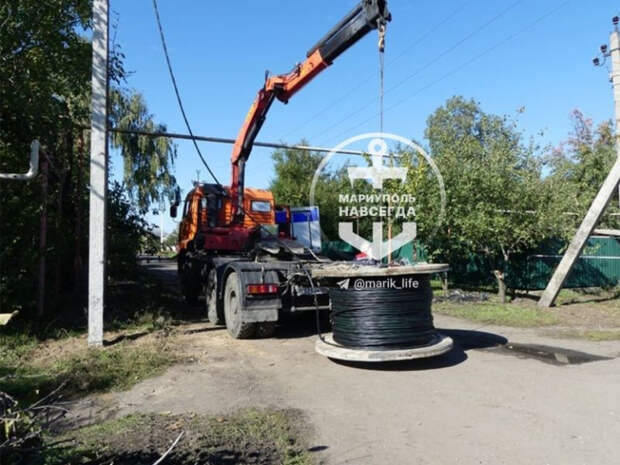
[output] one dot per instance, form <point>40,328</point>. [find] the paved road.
<point>475,405</point>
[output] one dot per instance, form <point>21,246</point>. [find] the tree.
<point>147,161</point>
<point>580,165</point>
<point>497,202</point>
<point>172,239</point>
<point>45,64</point>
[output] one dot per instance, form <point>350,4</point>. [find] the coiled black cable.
<point>383,319</point>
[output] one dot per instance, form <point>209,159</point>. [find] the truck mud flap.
<point>254,315</point>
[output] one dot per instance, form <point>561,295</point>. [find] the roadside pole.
<point>604,194</point>
<point>98,174</point>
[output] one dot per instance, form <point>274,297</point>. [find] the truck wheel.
<point>265,329</point>
<point>211,299</point>
<point>232,309</point>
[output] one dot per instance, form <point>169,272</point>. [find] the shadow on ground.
<point>464,340</point>
<point>301,325</point>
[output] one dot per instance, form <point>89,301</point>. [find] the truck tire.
<point>211,299</point>
<point>233,307</point>
<point>265,329</point>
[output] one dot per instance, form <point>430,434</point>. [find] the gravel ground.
<point>482,403</point>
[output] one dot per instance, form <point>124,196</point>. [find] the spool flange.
<point>440,345</point>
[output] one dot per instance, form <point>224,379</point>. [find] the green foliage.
<point>497,201</point>
<point>580,165</point>
<point>126,233</point>
<point>45,64</point>
<point>147,161</point>
<point>172,239</point>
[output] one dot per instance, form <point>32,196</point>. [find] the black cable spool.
<point>369,316</point>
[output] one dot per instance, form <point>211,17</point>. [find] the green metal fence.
<point>598,265</point>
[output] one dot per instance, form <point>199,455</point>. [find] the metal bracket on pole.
<point>602,198</point>
<point>34,165</point>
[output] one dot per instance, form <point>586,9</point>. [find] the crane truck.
<point>250,269</point>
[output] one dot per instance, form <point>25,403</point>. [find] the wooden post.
<point>98,174</point>
<point>600,201</point>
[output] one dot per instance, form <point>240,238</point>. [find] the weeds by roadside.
<point>251,436</point>
<point>592,314</point>
<point>34,360</point>
<point>498,314</point>
<point>594,335</point>
<point>119,367</point>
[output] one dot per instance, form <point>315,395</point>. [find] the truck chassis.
<point>249,295</point>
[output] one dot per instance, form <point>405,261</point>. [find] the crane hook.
<point>381,27</point>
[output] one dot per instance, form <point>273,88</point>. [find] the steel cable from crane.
<point>436,58</point>
<point>383,318</point>
<point>420,39</point>
<point>450,73</point>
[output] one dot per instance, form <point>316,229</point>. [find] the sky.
<point>530,59</point>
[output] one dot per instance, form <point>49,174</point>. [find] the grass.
<point>145,305</point>
<point>27,376</point>
<point>570,296</point>
<point>247,436</point>
<point>595,335</point>
<point>498,314</point>
<point>34,360</point>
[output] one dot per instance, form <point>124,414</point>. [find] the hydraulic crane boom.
<point>367,15</point>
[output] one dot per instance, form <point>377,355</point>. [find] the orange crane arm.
<point>367,15</point>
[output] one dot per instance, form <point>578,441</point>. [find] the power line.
<point>427,65</point>
<point>223,140</point>
<point>176,91</point>
<point>403,52</point>
<point>461,66</point>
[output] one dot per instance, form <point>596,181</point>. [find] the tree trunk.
<point>58,226</point>
<point>444,282</point>
<point>501,285</point>
<point>42,237</point>
<point>79,211</point>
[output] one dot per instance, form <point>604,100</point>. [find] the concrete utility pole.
<point>604,194</point>
<point>98,174</point>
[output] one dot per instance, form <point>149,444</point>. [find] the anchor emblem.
<point>377,173</point>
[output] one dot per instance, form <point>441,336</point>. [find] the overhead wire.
<point>403,52</point>
<point>424,67</point>
<point>458,68</point>
<point>194,139</point>
<point>178,96</point>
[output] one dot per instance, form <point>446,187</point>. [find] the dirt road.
<point>479,404</point>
